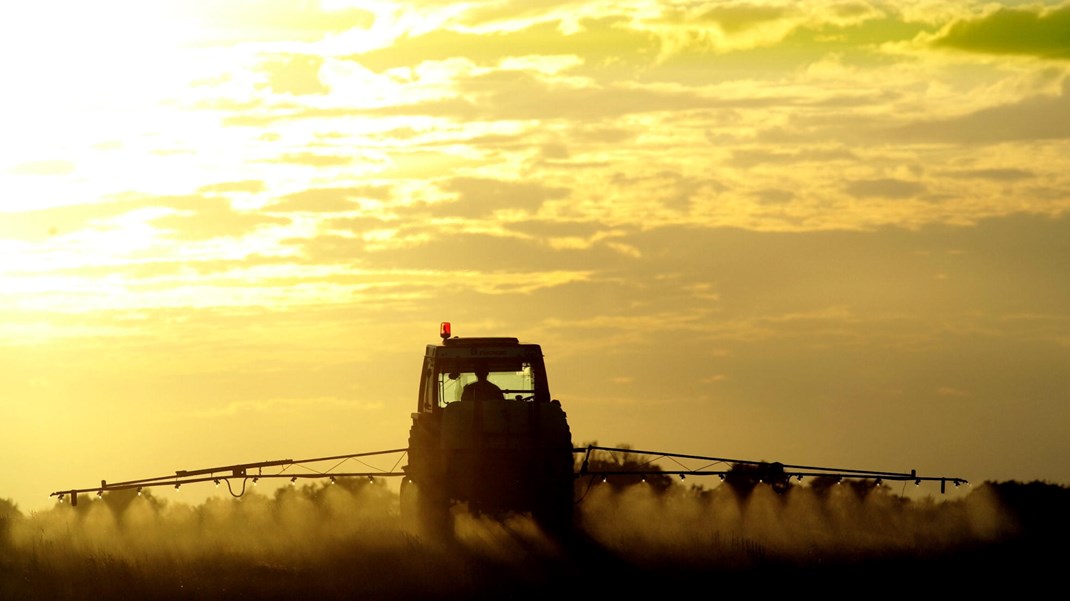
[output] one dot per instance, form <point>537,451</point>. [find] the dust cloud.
<point>346,540</point>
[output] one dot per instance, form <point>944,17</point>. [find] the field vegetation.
<point>346,541</point>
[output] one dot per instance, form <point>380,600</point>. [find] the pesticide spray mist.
<point>346,539</point>
<point>728,528</point>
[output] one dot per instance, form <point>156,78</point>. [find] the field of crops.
<point>345,541</point>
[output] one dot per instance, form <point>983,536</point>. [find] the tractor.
<point>496,450</point>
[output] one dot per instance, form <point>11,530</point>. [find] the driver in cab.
<point>482,389</point>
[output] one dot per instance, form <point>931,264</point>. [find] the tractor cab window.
<point>487,381</point>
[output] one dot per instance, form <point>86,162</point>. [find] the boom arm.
<point>245,471</point>
<point>771,469</point>
<point>724,468</point>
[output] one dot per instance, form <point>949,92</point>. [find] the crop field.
<point>346,541</point>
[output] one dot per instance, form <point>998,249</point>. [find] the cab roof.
<point>455,341</point>
<point>472,348</point>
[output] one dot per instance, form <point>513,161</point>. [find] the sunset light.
<point>822,233</point>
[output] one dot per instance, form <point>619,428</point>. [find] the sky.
<point>822,233</point>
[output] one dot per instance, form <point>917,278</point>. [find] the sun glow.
<point>89,80</point>
<point>110,53</point>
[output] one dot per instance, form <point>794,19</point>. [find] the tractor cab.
<point>516,369</point>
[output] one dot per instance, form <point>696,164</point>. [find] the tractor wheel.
<point>555,511</point>
<point>425,507</point>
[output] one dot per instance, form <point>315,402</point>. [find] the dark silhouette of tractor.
<point>499,449</point>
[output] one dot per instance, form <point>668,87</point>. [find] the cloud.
<point>520,95</point>
<point>1030,30</point>
<point>541,228</point>
<point>228,22</point>
<point>875,273</point>
<point>203,218</point>
<point>313,159</point>
<point>670,189</point>
<point>329,200</point>
<point>995,174</point>
<point>43,223</point>
<point>294,74</point>
<point>452,250</point>
<point>598,42</point>
<point>885,188</point>
<point>250,186</point>
<point>750,157</point>
<point>328,249</point>
<point>479,197</point>
<point>509,11</point>
<point>775,195</point>
<point>512,94</point>
<point>615,51</point>
<point>1034,118</point>
<point>741,17</point>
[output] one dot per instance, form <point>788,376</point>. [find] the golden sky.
<point>828,233</point>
